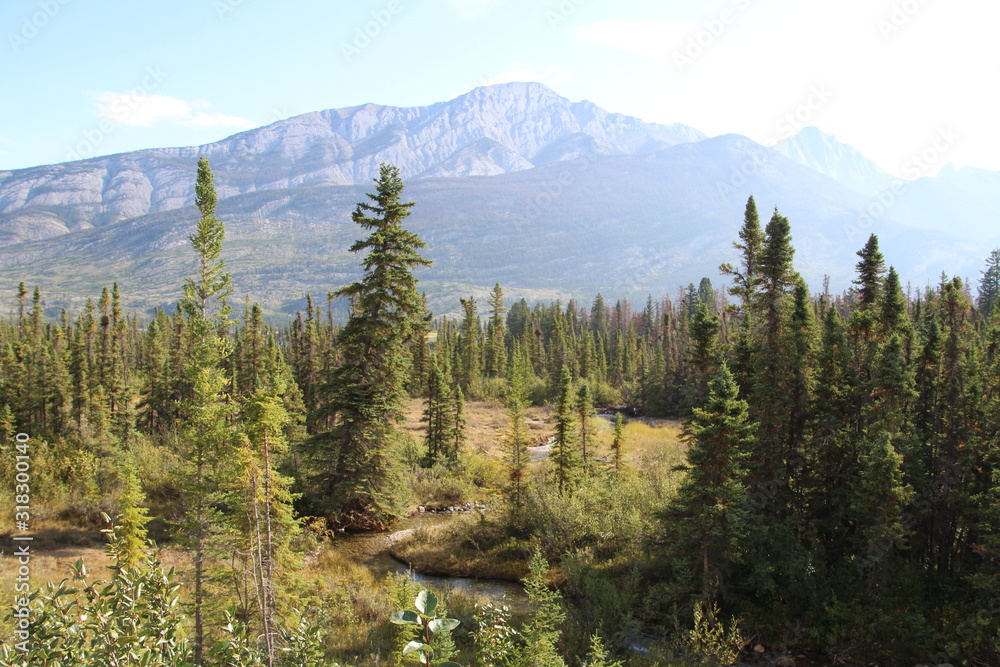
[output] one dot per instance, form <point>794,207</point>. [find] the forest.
<point>835,498</point>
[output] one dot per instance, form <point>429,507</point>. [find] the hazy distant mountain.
<point>624,225</point>
<point>963,201</point>
<point>491,130</point>
<point>513,184</point>
<point>839,161</point>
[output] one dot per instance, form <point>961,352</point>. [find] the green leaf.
<point>415,646</point>
<point>442,624</point>
<point>426,603</point>
<point>404,618</point>
<point>448,663</point>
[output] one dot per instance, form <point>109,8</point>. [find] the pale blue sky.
<point>82,78</point>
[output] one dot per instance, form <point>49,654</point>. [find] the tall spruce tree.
<point>354,476</point>
<point>496,350</point>
<point>708,515</point>
<point>206,431</point>
<point>564,457</point>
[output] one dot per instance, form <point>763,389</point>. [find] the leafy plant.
<point>425,618</point>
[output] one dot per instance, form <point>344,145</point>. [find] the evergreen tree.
<point>618,441</point>
<point>564,454</point>
<point>354,475</point>
<point>584,412</point>
<point>131,528</point>
<point>516,434</point>
<point>496,350</point>
<point>207,293</point>
<point>437,414</point>
<point>989,284</point>
<point>469,350</point>
<point>708,512</point>
<point>542,631</point>
<point>750,245</point>
<point>871,270</point>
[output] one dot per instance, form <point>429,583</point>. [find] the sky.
<point>912,84</point>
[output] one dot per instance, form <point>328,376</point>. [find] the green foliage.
<point>565,457</point>
<point>497,641</point>
<point>430,626</point>
<point>131,619</point>
<point>542,631</point>
<point>354,478</point>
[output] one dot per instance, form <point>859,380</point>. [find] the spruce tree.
<point>207,293</point>
<point>871,270</point>
<point>708,513</point>
<point>496,350</point>
<point>584,413</point>
<point>515,436</point>
<point>469,349</point>
<point>354,476</point>
<point>989,284</point>
<point>618,441</point>
<point>750,245</point>
<point>564,455</point>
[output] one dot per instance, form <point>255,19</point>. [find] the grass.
<point>479,545</point>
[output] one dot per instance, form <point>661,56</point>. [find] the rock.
<point>758,649</point>
<point>421,509</point>
<point>785,661</point>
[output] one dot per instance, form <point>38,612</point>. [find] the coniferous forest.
<point>834,496</point>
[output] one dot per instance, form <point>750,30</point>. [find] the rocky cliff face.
<point>488,131</point>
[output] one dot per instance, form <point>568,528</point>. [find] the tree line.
<point>842,462</point>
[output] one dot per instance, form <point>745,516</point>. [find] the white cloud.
<point>469,10</point>
<point>137,109</point>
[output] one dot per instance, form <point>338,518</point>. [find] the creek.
<point>374,551</point>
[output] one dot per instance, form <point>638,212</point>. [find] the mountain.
<point>488,131</point>
<point>841,162</point>
<point>620,224</point>
<point>962,200</point>
<point>513,184</point>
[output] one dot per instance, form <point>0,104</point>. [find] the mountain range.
<point>512,184</point>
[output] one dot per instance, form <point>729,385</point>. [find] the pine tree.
<point>207,416</point>
<point>456,434</point>
<point>989,284</point>
<point>708,514</point>
<point>206,294</point>
<point>871,270</point>
<point>469,350</point>
<point>618,441</point>
<point>131,528</point>
<point>564,454</point>
<point>265,502</point>
<point>751,245</point>
<point>516,434</point>
<point>543,629</point>
<point>437,414</point>
<point>584,412</point>
<point>496,350</point>
<point>355,478</point>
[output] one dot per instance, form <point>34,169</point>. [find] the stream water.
<point>373,551</point>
